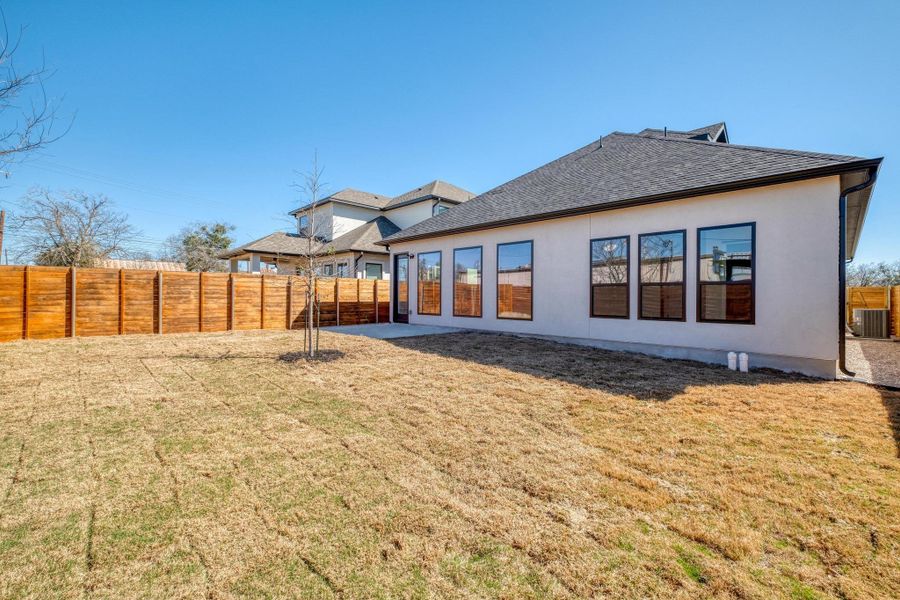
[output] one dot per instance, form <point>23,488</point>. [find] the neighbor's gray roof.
<point>360,239</point>
<point>351,196</point>
<point>710,133</point>
<point>274,243</point>
<point>434,189</point>
<point>624,169</point>
<point>363,238</point>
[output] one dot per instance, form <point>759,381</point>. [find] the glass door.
<point>401,288</point>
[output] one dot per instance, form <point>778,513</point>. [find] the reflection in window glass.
<point>514,280</point>
<point>609,277</point>
<point>467,282</point>
<point>662,276</point>
<point>725,273</point>
<point>343,270</point>
<point>429,288</point>
<point>373,270</point>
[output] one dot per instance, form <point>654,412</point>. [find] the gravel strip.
<point>875,361</point>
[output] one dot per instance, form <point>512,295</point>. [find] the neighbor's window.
<point>514,289</point>
<point>373,270</point>
<point>429,291</point>
<point>343,270</point>
<point>302,223</point>
<point>438,209</point>
<point>268,266</point>
<point>328,270</point>
<point>662,276</point>
<point>609,277</point>
<point>467,282</point>
<point>725,273</point>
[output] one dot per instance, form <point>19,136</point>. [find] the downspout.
<point>842,267</point>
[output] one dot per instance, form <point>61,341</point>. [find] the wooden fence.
<point>53,302</point>
<point>875,297</point>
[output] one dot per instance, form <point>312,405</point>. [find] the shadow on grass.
<point>891,400</point>
<point>622,373</point>
<point>321,356</point>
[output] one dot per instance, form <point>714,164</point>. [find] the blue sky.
<point>203,110</point>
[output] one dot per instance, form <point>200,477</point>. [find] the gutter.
<point>871,175</point>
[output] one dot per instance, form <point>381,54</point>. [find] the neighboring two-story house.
<point>343,229</point>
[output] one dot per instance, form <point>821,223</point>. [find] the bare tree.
<point>873,274</point>
<point>27,117</point>
<point>312,228</point>
<point>73,229</point>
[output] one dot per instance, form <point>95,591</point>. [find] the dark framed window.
<point>610,262</point>
<point>467,282</point>
<point>726,273</point>
<point>328,270</point>
<point>374,270</point>
<point>515,299</point>
<point>429,288</point>
<point>438,209</point>
<point>342,270</point>
<point>661,294</point>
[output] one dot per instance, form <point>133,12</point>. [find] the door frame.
<point>396,317</point>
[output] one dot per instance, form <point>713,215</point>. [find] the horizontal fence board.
<point>140,294</point>
<point>181,302</point>
<point>48,302</point>
<point>97,302</point>
<point>215,301</point>
<point>110,301</point>
<point>12,304</point>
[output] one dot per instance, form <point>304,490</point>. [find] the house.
<point>144,265</point>
<point>673,243</point>
<point>342,231</point>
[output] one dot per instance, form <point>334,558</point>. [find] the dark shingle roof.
<point>351,196</point>
<point>623,169</point>
<point>360,239</point>
<point>716,132</point>
<point>434,189</point>
<point>274,243</point>
<point>363,238</point>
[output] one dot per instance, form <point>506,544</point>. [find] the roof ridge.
<point>783,151</point>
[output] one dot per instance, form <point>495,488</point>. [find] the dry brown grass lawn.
<point>465,465</point>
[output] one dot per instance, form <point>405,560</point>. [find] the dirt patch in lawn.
<point>457,465</point>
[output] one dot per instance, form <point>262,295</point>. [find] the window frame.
<point>752,321</point>
<point>683,282</point>
<point>497,286</point>
<point>440,281</point>
<point>380,271</point>
<point>346,267</point>
<point>480,285</point>
<point>591,283</point>
<point>328,266</point>
<point>438,208</point>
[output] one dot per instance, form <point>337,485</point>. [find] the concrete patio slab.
<point>389,331</point>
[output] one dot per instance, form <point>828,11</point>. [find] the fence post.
<point>375,292</point>
<point>231,302</point>
<point>200,303</point>
<point>290,300</point>
<point>337,300</point>
<point>121,301</point>
<point>159,302</point>
<point>262,302</point>
<point>73,312</point>
<point>25,303</point>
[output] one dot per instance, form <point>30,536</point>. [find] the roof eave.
<point>826,171</point>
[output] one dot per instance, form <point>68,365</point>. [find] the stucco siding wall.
<point>347,218</point>
<point>409,215</point>
<point>796,272</point>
